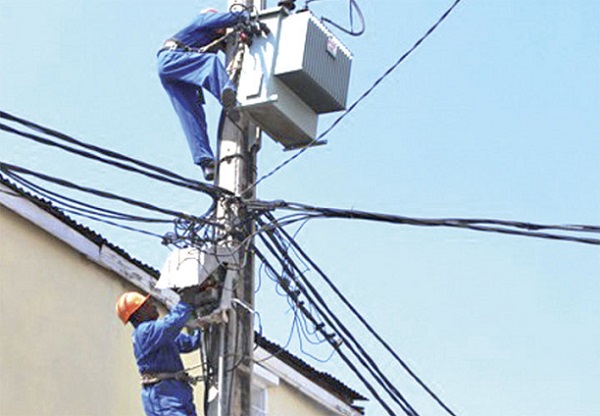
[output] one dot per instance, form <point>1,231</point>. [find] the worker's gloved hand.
<point>264,28</point>
<point>253,29</point>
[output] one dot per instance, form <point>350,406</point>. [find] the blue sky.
<point>496,115</point>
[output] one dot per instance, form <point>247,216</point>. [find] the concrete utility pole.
<point>232,342</point>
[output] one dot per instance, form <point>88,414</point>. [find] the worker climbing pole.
<point>188,64</point>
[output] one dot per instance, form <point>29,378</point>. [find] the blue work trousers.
<point>168,398</point>
<point>181,74</point>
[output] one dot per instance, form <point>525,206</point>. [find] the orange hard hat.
<point>128,303</point>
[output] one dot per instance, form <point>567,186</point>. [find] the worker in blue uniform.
<point>157,344</point>
<point>185,69</point>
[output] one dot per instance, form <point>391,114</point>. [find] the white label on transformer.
<point>332,46</point>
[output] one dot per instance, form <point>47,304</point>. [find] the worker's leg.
<point>192,118</point>
<point>150,401</point>
<point>201,69</point>
<point>175,398</point>
<point>214,76</point>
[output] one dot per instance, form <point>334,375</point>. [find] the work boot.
<point>208,169</point>
<point>228,98</point>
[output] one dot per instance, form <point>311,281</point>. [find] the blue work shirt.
<point>157,345</point>
<point>204,28</point>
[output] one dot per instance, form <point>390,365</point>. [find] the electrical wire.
<point>387,218</point>
<point>81,208</point>
<point>64,183</point>
<point>363,321</point>
<point>301,323</point>
<point>317,301</point>
<point>115,224</point>
<point>340,353</point>
<point>114,159</point>
<point>95,213</point>
<point>314,297</point>
<point>391,69</point>
<point>303,327</point>
<point>297,317</point>
<point>353,5</point>
<point>12,171</point>
<point>152,171</point>
<point>519,228</point>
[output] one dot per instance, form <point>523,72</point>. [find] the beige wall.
<point>284,400</point>
<point>62,350</point>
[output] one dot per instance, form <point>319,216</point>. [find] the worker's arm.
<point>188,343</point>
<point>166,329</point>
<point>204,29</point>
<point>219,20</point>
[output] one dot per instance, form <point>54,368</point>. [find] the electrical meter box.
<point>209,273</point>
<point>291,75</point>
<point>187,267</point>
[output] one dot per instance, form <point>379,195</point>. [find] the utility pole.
<point>232,342</point>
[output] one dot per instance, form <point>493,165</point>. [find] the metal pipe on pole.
<point>238,144</point>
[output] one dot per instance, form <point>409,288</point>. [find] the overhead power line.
<point>353,6</point>
<point>307,211</point>
<point>292,242</point>
<point>15,173</point>
<point>519,228</point>
<point>364,95</point>
<point>111,158</point>
<point>280,238</point>
<point>284,284</point>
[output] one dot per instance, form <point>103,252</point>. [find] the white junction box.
<point>187,267</point>
<point>291,75</point>
<point>209,272</point>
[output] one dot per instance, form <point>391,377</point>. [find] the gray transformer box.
<point>292,75</point>
<point>313,63</point>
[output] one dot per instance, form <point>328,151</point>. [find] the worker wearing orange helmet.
<point>157,345</point>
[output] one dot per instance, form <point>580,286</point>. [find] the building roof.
<point>325,380</point>
<point>90,234</point>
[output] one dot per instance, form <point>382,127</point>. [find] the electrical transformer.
<point>291,75</point>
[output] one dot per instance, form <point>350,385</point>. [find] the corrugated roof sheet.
<point>82,229</point>
<point>325,380</point>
